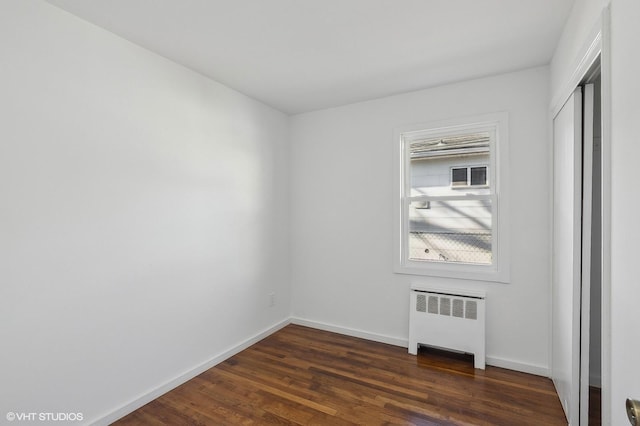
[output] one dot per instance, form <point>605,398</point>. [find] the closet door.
<point>566,255</point>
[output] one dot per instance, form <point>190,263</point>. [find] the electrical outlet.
<point>272,299</point>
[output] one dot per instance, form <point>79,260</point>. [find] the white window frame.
<point>498,169</point>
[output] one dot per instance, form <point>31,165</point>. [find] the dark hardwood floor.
<point>305,376</point>
<point>595,406</point>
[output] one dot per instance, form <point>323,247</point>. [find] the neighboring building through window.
<point>448,218</point>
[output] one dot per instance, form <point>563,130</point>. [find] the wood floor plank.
<point>303,376</point>
<point>274,391</point>
<point>595,406</point>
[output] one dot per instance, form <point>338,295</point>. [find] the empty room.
<point>319,212</point>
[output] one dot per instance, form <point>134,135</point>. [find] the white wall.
<point>342,201</point>
<point>143,216</point>
<point>625,226</point>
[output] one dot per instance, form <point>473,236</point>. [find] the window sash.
<point>408,198</point>
<point>496,190</point>
<point>406,228</point>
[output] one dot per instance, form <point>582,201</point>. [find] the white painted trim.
<point>538,370</point>
<point>587,224</point>
<point>605,89</point>
<point>589,53</point>
<point>186,376</point>
<point>499,271</point>
<point>550,189</point>
<point>375,337</point>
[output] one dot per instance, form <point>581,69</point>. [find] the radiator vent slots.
<point>447,318</point>
<point>433,304</point>
<point>445,305</point>
<point>471,310</point>
<point>421,303</point>
<point>458,308</point>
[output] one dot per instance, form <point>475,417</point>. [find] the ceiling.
<point>304,55</point>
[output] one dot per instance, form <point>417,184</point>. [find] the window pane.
<point>478,175</point>
<point>440,166</point>
<point>459,177</point>
<point>451,231</point>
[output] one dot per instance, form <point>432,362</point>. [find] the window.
<point>469,176</point>
<point>451,219</point>
<point>459,176</point>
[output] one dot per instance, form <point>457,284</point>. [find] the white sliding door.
<point>566,255</point>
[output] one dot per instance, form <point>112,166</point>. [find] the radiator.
<point>448,319</point>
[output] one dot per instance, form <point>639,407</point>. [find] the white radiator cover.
<point>448,319</point>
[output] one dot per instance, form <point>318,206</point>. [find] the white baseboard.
<point>186,376</point>
<point>352,332</point>
<point>537,370</point>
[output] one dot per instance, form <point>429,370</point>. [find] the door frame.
<point>587,223</point>
<point>597,44</point>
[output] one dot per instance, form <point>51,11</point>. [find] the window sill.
<point>460,271</point>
